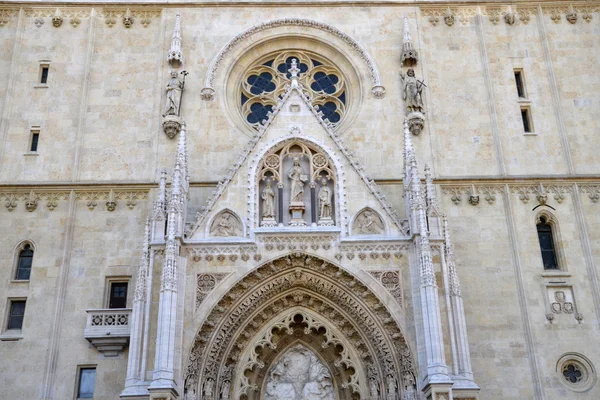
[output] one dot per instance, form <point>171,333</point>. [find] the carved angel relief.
<point>368,222</point>
<point>226,224</point>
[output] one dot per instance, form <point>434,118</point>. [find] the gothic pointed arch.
<point>307,300</point>
<point>271,167</point>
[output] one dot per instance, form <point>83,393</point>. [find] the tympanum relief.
<point>226,224</point>
<point>304,181</point>
<point>300,375</point>
<point>368,222</point>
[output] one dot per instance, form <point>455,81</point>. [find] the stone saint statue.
<point>411,91</point>
<point>297,176</point>
<point>174,88</point>
<point>268,198</point>
<point>324,200</point>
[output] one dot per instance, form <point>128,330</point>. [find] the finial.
<point>410,56</point>
<point>175,58</point>
<point>294,70</point>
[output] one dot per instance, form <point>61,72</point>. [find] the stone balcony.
<point>108,330</point>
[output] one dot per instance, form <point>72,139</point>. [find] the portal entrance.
<point>299,328</point>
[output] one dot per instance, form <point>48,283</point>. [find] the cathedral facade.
<point>337,200</point>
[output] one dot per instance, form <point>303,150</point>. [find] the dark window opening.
<point>118,295</point>
<point>519,82</point>
<point>35,137</point>
<point>87,382</point>
<point>16,314</point>
<point>44,77</point>
<point>526,120</point>
<point>24,263</point>
<point>546,239</point>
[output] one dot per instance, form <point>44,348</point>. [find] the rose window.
<point>265,83</point>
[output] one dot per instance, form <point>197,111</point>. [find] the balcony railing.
<point>108,329</point>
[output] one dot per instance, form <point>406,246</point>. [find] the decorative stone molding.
<point>541,191</point>
<point>525,13</point>
<point>6,15</point>
<point>299,242</point>
<point>465,15</point>
<point>57,15</point>
<point>496,13</point>
<point>31,199</point>
<point>372,250</point>
<point>144,15</point>
<point>291,281</point>
<point>560,300</point>
<point>205,283</point>
<point>556,12</point>
<point>593,191</point>
<point>221,252</point>
<point>112,197</point>
<point>392,281</point>
<point>208,91</point>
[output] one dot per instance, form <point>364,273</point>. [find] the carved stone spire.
<point>140,284</point>
<point>453,281</point>
<point>183,158</point>
<point>431,196</point>
<point>410,56</point>
<point>169,275</point>
<point>175,57</point>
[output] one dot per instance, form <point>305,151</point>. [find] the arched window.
<point>546,238</point>
<point>24,263</point>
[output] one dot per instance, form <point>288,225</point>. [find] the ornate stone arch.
<point>208,92</point>
<point>296,135</point>
<point>319,288</point>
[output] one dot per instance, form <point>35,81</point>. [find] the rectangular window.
<point>44,74</point>
<point>35,138</point>
<point>526,117</point>
<point>118,295</point>
<point>16,314</point>
<point>86,383</point>
<point>520,83</point>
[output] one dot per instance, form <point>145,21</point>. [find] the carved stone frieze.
<point>208,91</point>
<point>30,199</point>
<point>299,242</point>
<point>7,14</point>
<point>128,16</point>
<point>465,15</point>
<point>212,252</point>
<point>593,192</point>
<point>392,281</point>
<point>112,198</point>
<point>540,192</point>
<point>556,12</point>
<point>205,283</point>
<point>286,282</point>
<point>373,250</point>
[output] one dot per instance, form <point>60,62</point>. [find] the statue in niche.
<point>298,177</point>
<point>208,388</point>
<point>300,375</point>
<point>226,224</point>
<point>174,90</point>
<point>324,200</point>
<point>368,223</point>
<point>268,198</point>
<point>411,91</point>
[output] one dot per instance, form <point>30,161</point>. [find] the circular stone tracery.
<point>264,83</point>
<point>319,286</point>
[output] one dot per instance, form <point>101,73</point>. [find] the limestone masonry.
<point>303,200</point>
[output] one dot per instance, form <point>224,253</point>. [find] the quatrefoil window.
<point>265,82</point>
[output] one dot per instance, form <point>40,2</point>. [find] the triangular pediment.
<point>295,120</point>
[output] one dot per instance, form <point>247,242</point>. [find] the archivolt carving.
<point>314,284</point>
<point>208,91</point>
<point>293,324</point>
